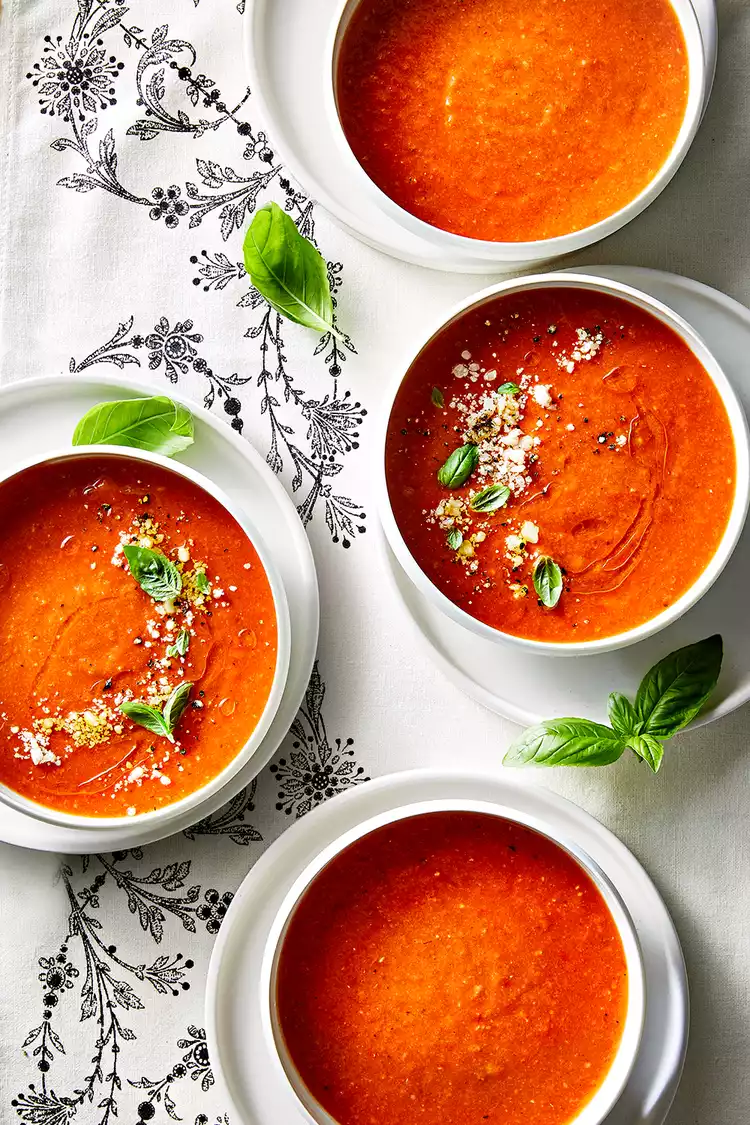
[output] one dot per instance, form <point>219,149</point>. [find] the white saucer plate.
<point>39,415</point>
<point>284,42</point>
<point>255,1086</point>
<point>526,687</point>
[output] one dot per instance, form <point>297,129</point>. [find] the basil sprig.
<point>438,398</point>
<point>162,722</point>
<point>509,389</point>
<point>670,696</point>
<point>156,424</point>
<point>455,538</point>
<point>458,467</point>
<point>287,270</point>
<point>548,581</point>
<point>491,498</point>
<point>154,572</point>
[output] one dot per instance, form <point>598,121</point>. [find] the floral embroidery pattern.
<point>74,81</point>
<point>74,77</point>
<point>107,991</point>
<point>230,820</point>
<point>314,769</point>
<point>332,423</point>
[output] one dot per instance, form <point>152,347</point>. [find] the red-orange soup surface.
<point>508,120</point>
<point>78,636</point>
<point>452,969</point>
<point>612,441</point>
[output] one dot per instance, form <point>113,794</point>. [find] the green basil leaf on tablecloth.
<point>565,742</point>
<point>548,581</point>
<point>154,572</point>
<point>457,468</point>
<point>672,693</point>
<point>287,270</point>
<point>156,424</point>
<point>622,715</point>
<point>648,748</point>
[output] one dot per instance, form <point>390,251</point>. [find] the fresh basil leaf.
<point>672,693</point>
<point>175,706</point>
<point>621,714</point>
<point>565,742</point>
<point>156,424</point>
<point>648,748</point>
<point>154,573</point>
<point>548,581</point>
<point>509,389</point>
<point>202,585</point>
<point>438,398</point>
<point>455,539</point>
<point>145,716</point>
<point>181,645</point>
<point>458,467</point>
<point>491,498</point>
<point>287,270</point>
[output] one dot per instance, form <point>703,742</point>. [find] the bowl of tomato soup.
<point>564,465</point>
<point>514,131</point>
<point>454,961</point>
<point>144,638</point>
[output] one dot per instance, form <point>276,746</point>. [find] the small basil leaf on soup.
<point>438,398</point>
<point>145,716</point>
<point>622,714</point>
<point>154,572</point>
<point>548,581</point>
<point>156,424</point>
<point>202,585</point>
<point>648,748</point>
<point>565,742</point>
<point>458,467</point>
<point>455,539</point>
<point>672,693</point>
<point>287,270</point>
<point>181,645</point>
<point>509,389</point>
<point>175,706</point>
<point>491,498</point>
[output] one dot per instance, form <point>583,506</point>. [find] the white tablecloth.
<point>120,243</point>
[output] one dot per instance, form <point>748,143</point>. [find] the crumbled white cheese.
<point>540,394</point>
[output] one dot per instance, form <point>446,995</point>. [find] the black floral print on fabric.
<point>314,769</point>
<point>75,81</point>
<point>138,928</point>
<point>94,973</point>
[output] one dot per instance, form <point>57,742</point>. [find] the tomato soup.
<point>452,968</point>
<point>599,442</point>
<point>511,120</point>
<point>81,640</point>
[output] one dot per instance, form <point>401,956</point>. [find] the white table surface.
<point>75,264</point>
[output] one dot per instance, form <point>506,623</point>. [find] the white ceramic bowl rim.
<point>540,248</point>
<point>597,1108</point>
<point>23,804</point>
<point>737,422</point>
